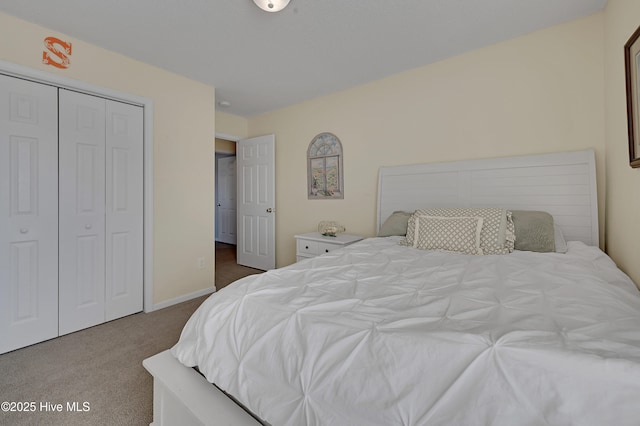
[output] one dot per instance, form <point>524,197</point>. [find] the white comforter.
<point>380,334</point>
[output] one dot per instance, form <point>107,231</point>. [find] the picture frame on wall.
<point>324,168</point>
<point>632,76</point>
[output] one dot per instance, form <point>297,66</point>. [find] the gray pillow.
<point>396,224</point>
<point>534,231</point>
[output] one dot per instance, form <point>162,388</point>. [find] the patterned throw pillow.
<point>498,232</point>
<point>457,234</point>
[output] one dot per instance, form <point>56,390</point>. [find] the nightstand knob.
<point>306,247</point>
<point>326,250</point>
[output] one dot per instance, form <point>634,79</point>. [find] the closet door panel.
<point>28,213</point>
<point>124,203</point>
<point>82,210</point>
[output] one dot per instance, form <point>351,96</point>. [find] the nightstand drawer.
<point>308,247</point>
<point>327,247</point>
<point>314,244</point>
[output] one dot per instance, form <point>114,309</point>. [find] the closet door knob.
<point>87,226</point>
<point>24,230</point>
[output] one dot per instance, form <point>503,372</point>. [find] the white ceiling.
<point>261,61</point>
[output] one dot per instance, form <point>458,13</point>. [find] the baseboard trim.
<point>181,299</point>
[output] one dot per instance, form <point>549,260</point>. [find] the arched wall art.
<point>324,168</point>
<point>632,73</point>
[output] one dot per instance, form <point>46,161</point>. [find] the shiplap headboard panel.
<point>563,184</point>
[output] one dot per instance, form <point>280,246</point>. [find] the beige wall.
<point>231,125</point>
<point>542,92</point>
<point>621,18</point>
<point>183,148</point>
<point>539,93</point>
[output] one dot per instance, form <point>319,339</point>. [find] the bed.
<point>384,333</point>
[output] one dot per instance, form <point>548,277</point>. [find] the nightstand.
<point>314,244</point>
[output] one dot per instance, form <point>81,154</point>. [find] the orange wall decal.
<point>55,56</point>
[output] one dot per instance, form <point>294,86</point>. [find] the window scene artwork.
<point>324,174</point>
<point>632,77</point>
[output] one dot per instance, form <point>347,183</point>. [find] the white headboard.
<point>563,184</point>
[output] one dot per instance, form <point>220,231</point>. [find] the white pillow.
<point>455,234</point>
<point>561,244</point>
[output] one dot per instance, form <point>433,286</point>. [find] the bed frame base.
<point>182,396</point>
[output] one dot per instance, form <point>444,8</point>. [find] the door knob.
<point>269,210</point>
<point>219,205</point>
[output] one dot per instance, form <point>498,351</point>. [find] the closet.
<point>71,211</point>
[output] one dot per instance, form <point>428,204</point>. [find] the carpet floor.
<point>95,376</point>
<point>227,268</point>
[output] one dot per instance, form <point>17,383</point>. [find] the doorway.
<point>226,261</point>
<point>225,228</point>
<point>254,204</point>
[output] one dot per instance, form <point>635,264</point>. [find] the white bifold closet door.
<point>100,217</point>
<point>82,211</point>
<point>28,213</point>
<point>124,210</point>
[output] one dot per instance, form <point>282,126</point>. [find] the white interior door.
<point>124,198</point>
<point>28,213</point>
<point>256,202</point>
<point>227,215</point>
<point>82,211</point>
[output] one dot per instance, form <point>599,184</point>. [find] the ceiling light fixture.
<point>271,5</point>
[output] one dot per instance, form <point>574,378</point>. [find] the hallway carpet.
<point>227,268</point>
